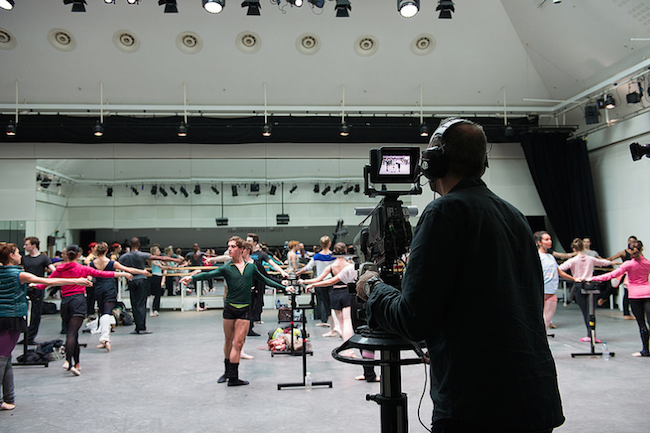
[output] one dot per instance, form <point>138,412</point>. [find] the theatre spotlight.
<point>154,189</point>
<point>77,5</point>
<point>255,187</point>
<point>173,190</point>
<point>108,2</point>
<point>162,191</point>
<point>342,8</point>
<point>11,128</point>
<point>344,130</point>
<point>348,190</point>
<point>266,130</point>
<point>317,3</point>
<point>98,129</point>
<point>222,221</point>
<point>181,130</point>
<point>45,183</point>
<point>316,188</point>
<point>133,2</point>
<point>293,188</point>
<point>183,191</point>
<point>214,6</point>
<point>253,7</point>
<point>326,190</point>
<point>282,219</point>
<point>446,7</point>
<point>424,130</point>
<point>337,189</point>
<point>7,4</point>
<point>234,191</point>
<point>357,188</point>
<point>214,189</point>
<point>170,6</point>
<point>408,8</point>
<point>197,189</point>
<point>638,151</point>
<point>296,3</point>
<point>273,189</point>
<point>609,102</point>
<point>135,190</point>
<point>109,192</point>
<point>634,97</point>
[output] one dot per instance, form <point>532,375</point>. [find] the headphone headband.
<point>436,138</point>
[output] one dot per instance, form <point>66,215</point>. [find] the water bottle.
<point>605,351</point>
<point>278,304</point>
<point>308,382</point>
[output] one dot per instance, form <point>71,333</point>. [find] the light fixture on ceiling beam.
<point>609,102</point>
<point>215,189</point>
<point>12,126</point>
<point>154,189</point>
<point>273,189</point>
<point>344,129</point>
<point>234,190</point>
<point>282,218</point>
<point>181,131</point>
<point>638,151</point>
<point>109,191</point>
<point>98,129</point>
<point>348,190</point>
<point>108,2</point>
<point>508,131</point>
<point>77,5</point>
<point>183,191</point>
<point>135,190</point>
<point>408,8</point>
<point>296,3</point>
<point>293,188</point>
<point>317,3</point>
<point>7,4</point>
<point>133,2</point>
<point>253,7</point>
<point>266,129</point>
<point>424,129</point>
<point>337,189</point>
<point>162,191</point>
<point>214,6</point>
<point>343,8</point>
<point>170,6</point>
<point>316,188</point>
<point>446,7</point>
<point>173,189</point>
<point>197,189</point>
<point>220,221</point>
<point>326,190</point>
<point>634,97</point>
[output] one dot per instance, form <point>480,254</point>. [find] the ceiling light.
<point>424,130</point>
<point>253,7</point>
<point>326,190</point>
<point>162,191</point>
<point>109,192</point>
<point>316,188</point>
<point>197,189</point>
<point>337,189</point>
<point>45,183</point>
<point>135,190</point>
<point>357,188</point>
<point>11,128</point>
<point>348,190</point>
<point>77,5</point>
<point>221,221</point>
<point>317,3</point>
<point>214,6</point>
<point>638,151</point>
<point>296,3</point>
<point>7,4</point>
<point>170,6</point>
<point>282,219</point>
<point>446,7</point>
<point>154,189</point>
<point>342,7</point>
<point>610,102</point>
<point>234,191</point>
<point>255,187</point>
<point>634,97</point>
<point>273,189</point>
<point>293,188</point>
<point>109,2</point>
<point>266,130</point>
<point>133,2</point>
<point>181,130</point>
<point>172,189</point>
<point>408,8</point>
<point>557,1</point>
<point>344,130</point>
<point>98,129</point>
<point>214,189</point>
<point>183,191</point>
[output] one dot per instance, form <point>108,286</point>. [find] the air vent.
<point>308,43</point>
<point>126,41</point>
<point>62,40</point>
<point>423,44</point>
<point>366,45</point>
<point>189,42</point>
<point>248,42</point>
<point>7,40</point>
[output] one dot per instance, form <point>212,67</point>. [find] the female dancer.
<point>106,292</point>
<point>73,301</point>
<point>13,309</point>
<point>637,271</point>
<point>582,268</point>
<point>155,282</point>
<point>292,256</point>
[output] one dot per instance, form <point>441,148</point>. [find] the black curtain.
<point>562,175</point>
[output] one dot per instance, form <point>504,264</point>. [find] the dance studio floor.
<point>166,382</point>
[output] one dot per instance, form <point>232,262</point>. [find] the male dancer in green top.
<point>236,309</point>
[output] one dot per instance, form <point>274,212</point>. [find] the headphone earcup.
<point>434,163</point>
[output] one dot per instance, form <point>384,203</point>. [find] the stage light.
<point>214,6</point>
<point>253,7</point>
<point>282,219</point>
<point>154,189</point>
<point>162,191</point>
<point>108,2</point>
<point>634,97</point>
<point>45,183</point>
<point>344,130</point>
<point>509,131</point>
<point>183,191</point>
<point>638,151</point>
<point>135,190</point>
<point>197,189</point>
<point>337,189</point>
<point>424,130</point>
<point>316,188</point>
<point>221,221</point>
<point>109,192</point>
<point>234,191</point>
<point>170,6</point>
<point>173,190</point>
<point>133,2</point>
<point>408,8</point>
<point>255,187</point>
<point>357,188</point>
<point>317,3</point>
<point>296,3</point>
<point>326,190</point>
<point>348,190</point>
<point>77,5</point>
<point>446,7</point>
<point>7,4</point>
<point>11,128</point>
<point>266,130</point>
<point>181,130</point>
<point>609,102</point>
<point>214,189</point>
<point>273,189</point>
<point>293,188</point>
<point>98,129</point>
<point>342,7</point>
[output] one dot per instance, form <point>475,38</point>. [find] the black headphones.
<point>434,161</point>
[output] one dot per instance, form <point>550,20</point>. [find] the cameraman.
<point>473,291</point>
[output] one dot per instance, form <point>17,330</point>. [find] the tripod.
<point>591,289</point>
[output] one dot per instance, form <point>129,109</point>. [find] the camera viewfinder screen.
<point>395,165</point>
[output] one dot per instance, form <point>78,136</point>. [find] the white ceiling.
<point>531,48</point>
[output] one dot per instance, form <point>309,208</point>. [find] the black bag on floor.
<point>49,308</point>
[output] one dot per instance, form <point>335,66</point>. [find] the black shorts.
<point>233,313</point>
<point>74,305</point>
<point>339,298</point>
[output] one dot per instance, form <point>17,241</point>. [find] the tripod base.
<point>302,384</point>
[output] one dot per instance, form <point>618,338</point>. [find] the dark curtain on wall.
<point>562,175</point>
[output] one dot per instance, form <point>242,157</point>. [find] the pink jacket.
<point>637,277</point>
<point>75,270</point>
<point>582,265</point>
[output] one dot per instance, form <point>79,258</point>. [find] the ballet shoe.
<point>639,354</point>
<point>237,382</point>
<point>360,377</point>
<point>330,334</point>
<point>66,365</point>
<point>7,406</point>
<point>76,371</point>
<point>222,378</point>
<point>244,355</point>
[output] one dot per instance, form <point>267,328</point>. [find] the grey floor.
<point>166,382</point>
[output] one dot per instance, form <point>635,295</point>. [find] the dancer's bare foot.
<point>7,406</point>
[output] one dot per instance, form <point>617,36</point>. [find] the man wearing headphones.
<point>473,291</point>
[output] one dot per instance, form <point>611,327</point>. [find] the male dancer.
<point>35,263</point>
